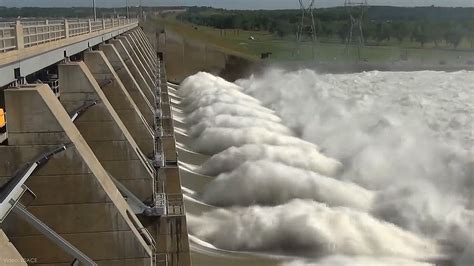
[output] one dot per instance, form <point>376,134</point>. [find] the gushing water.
<point>371,167</point>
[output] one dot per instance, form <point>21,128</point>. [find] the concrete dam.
<point>96,165</point>
<point>103,161</point>
<point>88,162</point>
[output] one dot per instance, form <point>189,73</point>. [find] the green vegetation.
<point>426,35</point>
<point>432,26</point>
<point>388,41</point>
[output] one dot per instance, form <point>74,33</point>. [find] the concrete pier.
<point>134,70</point>
<point>121,100</point>
<point>146,107</point>
<point>104,131</point>
<point>74,194</point>
<point>149,78</point>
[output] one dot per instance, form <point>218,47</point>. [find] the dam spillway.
<point>258,192</point>
<point>104,162</point>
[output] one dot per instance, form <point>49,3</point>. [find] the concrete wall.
<point>75,196</point>
<point>185,56</point>
<point>117,137</point>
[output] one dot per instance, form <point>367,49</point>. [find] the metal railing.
<point>36,34</point>
<point>22,34</point>
<point>7,38</point>
<point>79,28</point>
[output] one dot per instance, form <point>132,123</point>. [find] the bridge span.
<point>89,172</point>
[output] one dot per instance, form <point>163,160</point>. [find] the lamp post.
<point>141,11</point>
<point>126,3</point>
<point>95,12</point>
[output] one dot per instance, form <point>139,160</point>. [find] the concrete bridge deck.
<point>90,177</point>
<point>27,47</point>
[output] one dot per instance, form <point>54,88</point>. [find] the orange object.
<point>3,120</point>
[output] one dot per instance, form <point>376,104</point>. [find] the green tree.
<point>400,30</point>
<point>420,35</point>
<point>454,36</point>
<point>382,32</point>
<point>343,31</point>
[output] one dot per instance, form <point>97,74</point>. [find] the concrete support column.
<point>90,26</point>
<point>147,42</point>
<point>141,66</point>
<point>137,49</point>
<point>143,59</point>
<point>151,58</point>
<point>74,195</point>
<point>20,40</point>
<point>8,252</point>
<point>66,29</point>
<point>104,131</point>
<point>167,138</point>
<point>121,101</point>
<point>146,107</point>
<point>145,49</point>
<point>150,92</point>
<point>145,39</point>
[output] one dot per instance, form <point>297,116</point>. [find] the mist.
<point>308,159</point>
<point>388,155</point>
<point>270,183</point>
<point>308,228</point>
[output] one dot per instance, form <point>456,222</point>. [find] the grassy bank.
<point>251,44</point>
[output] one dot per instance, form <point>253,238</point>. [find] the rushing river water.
<point>349,169</point>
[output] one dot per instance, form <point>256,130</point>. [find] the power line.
<point>307,11</point>
<point>356,10</point>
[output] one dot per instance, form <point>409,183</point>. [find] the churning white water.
<point>350,169</point>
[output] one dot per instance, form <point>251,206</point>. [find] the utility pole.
<point>141,11</point>
<point>357,10</point>
<point>307,11</point>
<point>95,12</point>
<point>126,3</point>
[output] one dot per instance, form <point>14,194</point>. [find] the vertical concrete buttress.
<point>104,131</point>
<point>141,66</point>
<point>75,196</point>
<point>143,49</point>
<point>146,107</point>
<point>8,253</point>
<point>138,52</point>
<point>145,45</point>
<point>121,101</point>
<point>133,67</point>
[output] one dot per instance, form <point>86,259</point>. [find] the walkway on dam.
<point>89,173</point>
<point>29,46</point>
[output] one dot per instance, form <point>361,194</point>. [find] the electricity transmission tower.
<point>307,11</point>
<point>356,10</point>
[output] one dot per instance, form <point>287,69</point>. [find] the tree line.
<point>423,25</point>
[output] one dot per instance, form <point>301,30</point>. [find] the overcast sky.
<point>230,4</point>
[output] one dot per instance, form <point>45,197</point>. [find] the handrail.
<point>22,34</point>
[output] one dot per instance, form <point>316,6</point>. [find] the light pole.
<point>95,12</point>
<point>126,3</point>
<point>141,11</point>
